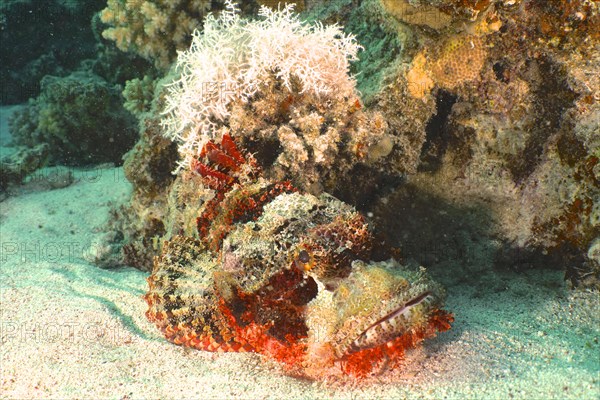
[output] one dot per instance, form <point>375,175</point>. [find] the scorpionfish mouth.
<point>390,326</point>
<point>377,305</point>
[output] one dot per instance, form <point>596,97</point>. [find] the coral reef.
<point>287,275</point>
<point>79,117</point>
<point>492,106</point>
<point>513,128</point>
<point>318,141</point>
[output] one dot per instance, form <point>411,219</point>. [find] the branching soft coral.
<point>233,59</point>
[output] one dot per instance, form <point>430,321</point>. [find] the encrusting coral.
<point>461,60</point>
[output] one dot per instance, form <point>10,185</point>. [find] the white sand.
<point>72,330</point>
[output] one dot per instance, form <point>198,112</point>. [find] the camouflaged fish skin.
<point>290,275</point>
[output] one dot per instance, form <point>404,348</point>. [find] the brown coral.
<point>460,61</point>
<point>154,29</point>
<point>312,140</point>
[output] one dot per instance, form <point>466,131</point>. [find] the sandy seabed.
<point>72,330</point>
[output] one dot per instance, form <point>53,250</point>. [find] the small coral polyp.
<point>288,275</point>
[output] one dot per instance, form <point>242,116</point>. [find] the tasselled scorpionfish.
<point>296,277</point>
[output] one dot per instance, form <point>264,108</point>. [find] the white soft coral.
<point>233,57</point>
